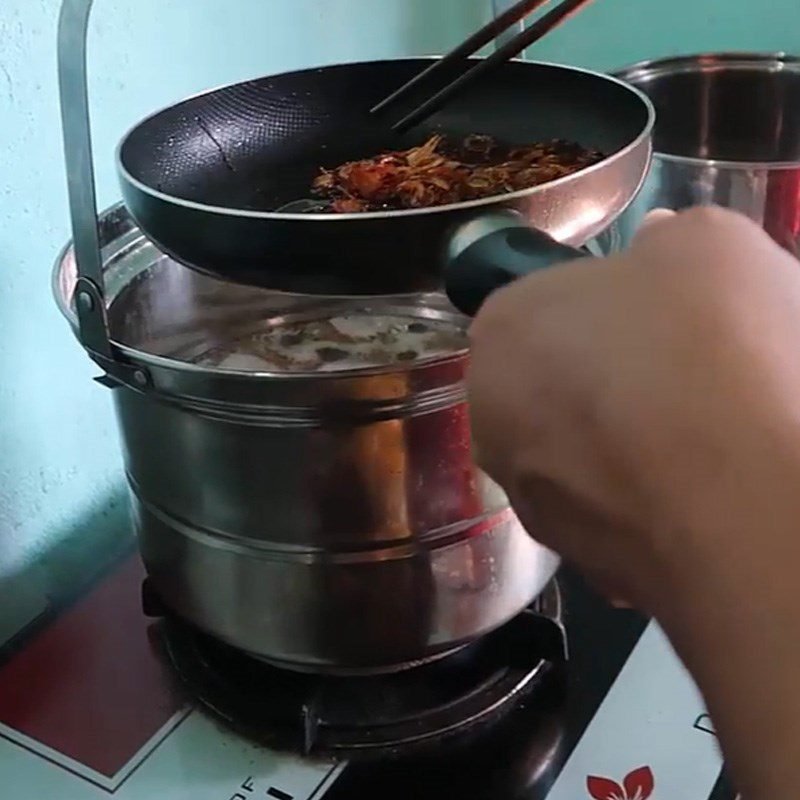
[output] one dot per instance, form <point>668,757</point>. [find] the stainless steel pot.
<point>325,521</point>
<point>727,133</point>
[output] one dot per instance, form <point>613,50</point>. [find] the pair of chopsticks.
<point>460,54</point>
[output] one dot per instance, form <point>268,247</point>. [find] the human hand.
<point>643,413</point>
<point>623,403</point>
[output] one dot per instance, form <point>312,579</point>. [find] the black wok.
<point>203,178</point>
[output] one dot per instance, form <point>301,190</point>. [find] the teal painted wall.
<point>611,33</point>
<point>61,487</point>
<point>60,474</point>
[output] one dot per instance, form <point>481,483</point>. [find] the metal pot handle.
<point>89,298</point>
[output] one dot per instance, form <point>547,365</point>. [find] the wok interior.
<point>729,112</point>
<point>259,144</point>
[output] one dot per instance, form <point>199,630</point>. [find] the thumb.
<point>655,216</point>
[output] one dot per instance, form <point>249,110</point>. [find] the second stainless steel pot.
<point>727,133</point>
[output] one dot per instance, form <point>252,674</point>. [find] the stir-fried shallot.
<point>438,173</point>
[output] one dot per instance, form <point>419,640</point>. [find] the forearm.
<point>746,659</point>
<point>734,618</point>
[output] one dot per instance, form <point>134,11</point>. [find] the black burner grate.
<point>377,714</point>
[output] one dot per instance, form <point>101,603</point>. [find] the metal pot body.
<point>334,543</point>
<point>727,133</point>
<point>328,522</point>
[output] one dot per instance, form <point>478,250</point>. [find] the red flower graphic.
<point>604,789</point>
<point>638,785</point>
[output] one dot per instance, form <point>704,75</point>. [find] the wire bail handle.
<point>89,297</point>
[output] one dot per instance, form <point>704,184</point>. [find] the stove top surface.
<point>91,707</point>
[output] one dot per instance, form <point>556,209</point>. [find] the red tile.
<point>90,685</point>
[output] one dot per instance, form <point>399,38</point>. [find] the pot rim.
<point>145,358</point>
<point>778,61</point>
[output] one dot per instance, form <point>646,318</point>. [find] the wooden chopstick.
<point>468,47</point>
<point>531,34</point>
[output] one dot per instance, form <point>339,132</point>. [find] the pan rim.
<point>243,213</point>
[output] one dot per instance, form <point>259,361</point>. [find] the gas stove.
<point>98,699</point>
<point>450,701</point>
